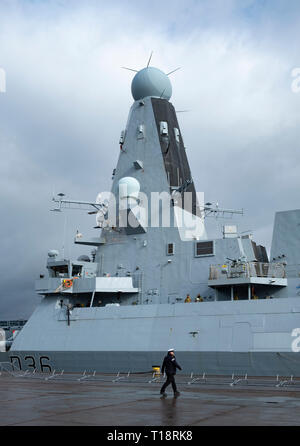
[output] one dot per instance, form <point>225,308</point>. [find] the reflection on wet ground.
<point>36,401</point>
<point>168,412</point>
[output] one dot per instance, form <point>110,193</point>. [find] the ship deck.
<point>110,400</point>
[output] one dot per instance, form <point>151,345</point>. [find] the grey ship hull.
<point>4,356</point>
<point>212,337</point>
<point>214,363</point>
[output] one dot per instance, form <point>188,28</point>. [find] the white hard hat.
<point>170,350</point>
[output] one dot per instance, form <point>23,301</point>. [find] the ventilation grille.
<point>204,249</point>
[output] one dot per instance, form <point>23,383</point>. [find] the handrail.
<point>247,270</point>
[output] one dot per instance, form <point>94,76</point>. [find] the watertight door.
<point>242,337</point>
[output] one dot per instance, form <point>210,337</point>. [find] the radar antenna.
<point>173,71</point>
<point>210,210</point>
<point>90,206</point>
<point>149,59</point>
<point>147,66</point>
<point>183,187</point>
<point>130,69</point>
<point>162,93</point>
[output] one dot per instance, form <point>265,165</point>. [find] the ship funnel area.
<point>153,165</point>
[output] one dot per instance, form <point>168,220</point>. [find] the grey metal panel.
<point>175,159</point>
<point>242,338</point>
<point>4,356</point>
<point>248,280</point>
<point>93,241</point>
<point>286,237</point>
<point>215,363</point>
<point>156,327</point>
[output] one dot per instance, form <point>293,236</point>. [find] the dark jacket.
<point>170,365</point>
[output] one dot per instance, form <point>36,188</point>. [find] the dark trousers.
<point>170,380</point>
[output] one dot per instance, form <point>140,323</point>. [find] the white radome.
<point>129,187</point>
<point>152,82</point>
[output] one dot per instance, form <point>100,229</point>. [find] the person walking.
<point>169,366</point>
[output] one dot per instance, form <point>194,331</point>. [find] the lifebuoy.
<point>68,283</point>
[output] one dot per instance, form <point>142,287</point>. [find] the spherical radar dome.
<point>153,82</point>
<point>129,187</point>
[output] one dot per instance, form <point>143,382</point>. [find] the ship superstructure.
<point>122,307</point>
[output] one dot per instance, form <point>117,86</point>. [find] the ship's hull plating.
<point>4,357</point>
<point>253,337</point>
<point>215,363</point>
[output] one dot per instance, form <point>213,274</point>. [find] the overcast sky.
<point>67,100</point>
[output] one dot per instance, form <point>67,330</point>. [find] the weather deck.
<point>105,400</point>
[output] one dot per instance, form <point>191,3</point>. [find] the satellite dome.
<point>129,187</point>
<point>84,258</point>
<point>153,82</point>
<point>53,253</point>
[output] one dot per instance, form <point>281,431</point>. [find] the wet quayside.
<point>59,399</point>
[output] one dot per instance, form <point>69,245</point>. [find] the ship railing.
<point>236,381</point>
<point>8,367</point>
<point>86,376</point>
<point>244,379</point>
<point>52,375</point>
<point>194,379</point>
<point>157,378</point>
<point>119,377</point>
<point>63,376</point>
<point>12,369</point>
<point>247,270</point>
<point>231,380</point>
<point>285,382</point>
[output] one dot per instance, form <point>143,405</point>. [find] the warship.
<point>152,279</point>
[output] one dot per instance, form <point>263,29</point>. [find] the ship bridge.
<point>239,280</point>
<point>79,281</point>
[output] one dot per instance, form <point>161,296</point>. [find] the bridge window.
<point>60,270</point>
